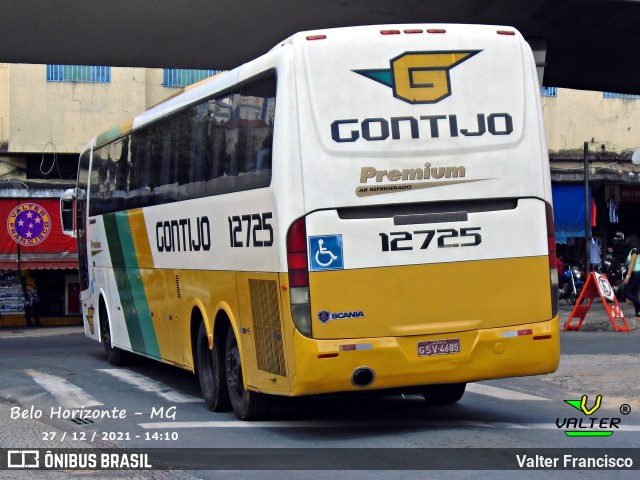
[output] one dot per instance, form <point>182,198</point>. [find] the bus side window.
<point>119,156</point>
<point>139,194</point>
<point>100,181</point>
<point>263,160</point>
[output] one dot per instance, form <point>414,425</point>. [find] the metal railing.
<point>628,96</point>
<point>549,91</point>
<point>179,77</point>
<point>78,73</point>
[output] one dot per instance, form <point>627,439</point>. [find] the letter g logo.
<point>420,77</point>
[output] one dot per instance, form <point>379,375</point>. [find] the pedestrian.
<point>31,305</point>
<point>632,280</point>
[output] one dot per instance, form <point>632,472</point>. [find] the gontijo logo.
<point>420,77</point>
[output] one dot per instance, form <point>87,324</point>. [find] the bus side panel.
<point>132,289</point>
<point>205,245</point>
<point>261,331</point>
<point>207,291</point>
<point>103,284</point>
<point>129,286</point>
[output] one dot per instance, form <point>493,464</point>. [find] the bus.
<point>360,208</point>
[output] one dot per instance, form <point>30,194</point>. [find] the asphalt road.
<point>507,413</point>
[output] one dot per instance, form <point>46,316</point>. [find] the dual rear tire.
<point>443,394</point>
<point>211,373</point>
<point>222,381</point>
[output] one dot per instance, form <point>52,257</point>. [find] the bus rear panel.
<point>427,206</point>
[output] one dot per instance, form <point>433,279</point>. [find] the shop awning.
<point>568,211</point>
<point>33,237</point>
<point>44,262</point>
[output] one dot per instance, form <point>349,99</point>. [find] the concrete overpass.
<point>590,44</point>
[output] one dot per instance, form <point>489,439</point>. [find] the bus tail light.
<point>553,260</point>
<point>299,277</point>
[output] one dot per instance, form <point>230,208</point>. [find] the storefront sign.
<point>629,195</point>
<point>29,224</point>
<point>32,236</point>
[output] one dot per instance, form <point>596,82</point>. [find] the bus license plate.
<point>439,347</point>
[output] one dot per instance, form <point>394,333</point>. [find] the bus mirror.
<point>67,213</point>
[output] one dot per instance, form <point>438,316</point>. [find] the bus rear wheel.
<point>247,405</point>
<point>211,372</point>
<point>443,394</point>
<point>115,356</point>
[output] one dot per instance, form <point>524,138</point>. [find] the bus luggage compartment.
<point>375,276</point>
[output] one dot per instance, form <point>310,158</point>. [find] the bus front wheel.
<point>443,394</point>
<point>115,356</point>
<point>247,405</point>
<point>211,372</point>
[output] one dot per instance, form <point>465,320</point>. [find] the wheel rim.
<point>234,372</point>
<point>106,337</point>
<point>206,365</point>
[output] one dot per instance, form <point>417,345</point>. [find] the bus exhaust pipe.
<point>362,377</point>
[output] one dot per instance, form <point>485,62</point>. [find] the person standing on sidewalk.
<point>32,306</point>
<point>632,280</point>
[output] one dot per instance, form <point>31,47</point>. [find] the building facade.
<point>609,125</point>
<point>48,113</point>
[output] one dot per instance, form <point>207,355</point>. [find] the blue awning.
<point>568,211</point>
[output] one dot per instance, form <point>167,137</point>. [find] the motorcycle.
<point>615,272</point>
<point>571,283</point>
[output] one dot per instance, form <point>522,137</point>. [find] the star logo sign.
<point>29,224</point>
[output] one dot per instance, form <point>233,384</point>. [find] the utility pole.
<point>587,207</point>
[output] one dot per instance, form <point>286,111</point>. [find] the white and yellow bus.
<point>358,209</point>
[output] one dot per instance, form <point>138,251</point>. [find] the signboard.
<point>597,285</point>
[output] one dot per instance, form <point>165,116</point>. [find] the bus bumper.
<point>329,366</point>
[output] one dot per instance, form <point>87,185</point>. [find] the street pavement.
<point>597,319</point>
<point>578,371</point>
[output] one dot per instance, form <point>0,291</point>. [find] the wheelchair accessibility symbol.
<point>326,252</point>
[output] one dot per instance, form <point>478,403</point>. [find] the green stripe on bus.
<point>107,136</point>
<point>133,298</point>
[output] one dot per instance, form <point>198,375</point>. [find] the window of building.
<point>549,91</point>
<point>619,95</point>
<point>78,73</point>
<point>179,77</point>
